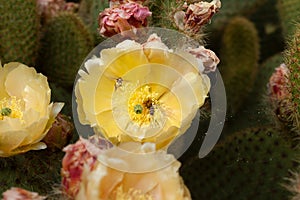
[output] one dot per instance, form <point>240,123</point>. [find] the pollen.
<point>11,107</point>
<point>141,105</point>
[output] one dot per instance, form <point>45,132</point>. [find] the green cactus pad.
<point>292,60</point>
<point>289,13</point>
<point>251,164</point>
<point>239,55</point>
<point>19,31</point>
<point>89,11</point>
<point>65,43</point>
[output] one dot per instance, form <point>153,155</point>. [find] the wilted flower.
<point>207,57</point>
<point>121,18</point>
<point>83,153</point>
<point>141,92</point>
<point>50,8</point>
<point>196,15</point>
<point>21,194</point>
<point>60,133</point>
<point>26,113</point>
<point>104,182</point>
<point>278,83</point>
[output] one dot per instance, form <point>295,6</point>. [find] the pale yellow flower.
<point>104,183</point>
<point>26,113</point>
<point>141,92</point>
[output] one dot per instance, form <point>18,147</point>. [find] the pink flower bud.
<point>21,194</point>
<point>123,17</point>
<point>278,83</point>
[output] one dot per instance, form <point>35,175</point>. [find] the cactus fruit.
<point>89,11</point>
<point>19,31</point>
<point>250,164</point>
<point>289,13</point>
<point>65,43</point>
<point>239,55</point>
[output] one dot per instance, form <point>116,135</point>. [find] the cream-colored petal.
<point>36,95</point>
<point>109,182</point>
<point>108,125</point>
<point>107,55</point>
<point>3,74</point>
<point>17,80</point>
<point>90,183</point>
<point>10,140</point>
<point>177,62</point>
<point>35,132</point>
<point>85,89</point>
<point>11,124</point>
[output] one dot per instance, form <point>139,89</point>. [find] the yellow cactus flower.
<point>25,110</point>
<point>141,92</point>
<point>104,183</point>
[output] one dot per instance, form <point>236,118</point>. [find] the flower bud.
<point>60,133</point>
<point>21,194</point>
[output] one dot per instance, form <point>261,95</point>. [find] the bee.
<point>119,82</point>
<point>151,110</point>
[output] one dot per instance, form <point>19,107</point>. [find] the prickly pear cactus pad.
<point>65,43</point>
<point>19,31</point>
<point>239,60</point>
<point>250,164</point>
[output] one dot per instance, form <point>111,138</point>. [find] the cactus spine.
<point>292,60</point>
<point>289,13</point>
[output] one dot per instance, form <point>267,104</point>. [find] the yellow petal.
<point>17,80</point>
<point>10,140</point>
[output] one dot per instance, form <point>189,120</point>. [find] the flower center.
<point>10,107</point>
<point>142,105</point>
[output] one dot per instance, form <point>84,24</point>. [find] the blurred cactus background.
<point>257,156</point>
